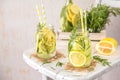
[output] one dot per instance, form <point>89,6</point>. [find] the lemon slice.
<point>77,59</point>
<point>68,17</point>
<point>75,18</point>
<point>111,40</point>
<point>72,13</point>
<point>74,9</point>
<point>69,13</point>
<point>105,47</point>
<point>48,38</point>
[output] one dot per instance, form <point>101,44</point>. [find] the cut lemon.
<point>69,13</point>
<point>74,9</point>
<point>77,59</point>
<point>105,47</point>
<point>111,40</point>
<point>68,17</point>
<point>75,19</point>
<point>72,13</point>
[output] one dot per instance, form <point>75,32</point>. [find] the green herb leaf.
<point>39,27</point>
<point>45,62</point>
<point>59,64</point>
<point>104,62</point>
<point>98,16</point>
<point>52,67</point>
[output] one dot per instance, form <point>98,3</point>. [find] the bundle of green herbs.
<point>98,16</point>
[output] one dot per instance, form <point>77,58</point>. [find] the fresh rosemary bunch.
<point>98,16</point>
<point>104,62</point>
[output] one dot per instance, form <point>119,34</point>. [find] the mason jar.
<point>46,42</point>
<point>81,44</point>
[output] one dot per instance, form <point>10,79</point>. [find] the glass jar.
<point>82,44</point>
<point>66,25</point>
<point>46,42</point>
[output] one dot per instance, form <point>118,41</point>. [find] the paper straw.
<point>81,16</point>
<point>85,18</point>
<point>38,12</point>
<point>43,13</point>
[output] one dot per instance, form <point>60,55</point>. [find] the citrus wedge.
<point>77,59</point>
<point>105,47</point>
<point>69,11</point>
<point>68,17</point>
<point>111,40</point>
<point>74,9</point>
<point>75,19</point>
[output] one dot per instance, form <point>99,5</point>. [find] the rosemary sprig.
<point>45,62</point>
<point>104,62</point>
<point>59,64</point>
<point>114,11</point>
<point>52,67</point>
<point>83,26</point>
<point>72,37</point>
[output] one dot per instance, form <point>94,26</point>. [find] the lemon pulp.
<point>106,46</point>
<point>77,59</point>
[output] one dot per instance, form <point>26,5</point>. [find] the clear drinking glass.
<point>46,42</point>
<point>81,43</point>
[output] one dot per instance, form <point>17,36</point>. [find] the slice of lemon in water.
<point>77,59</point>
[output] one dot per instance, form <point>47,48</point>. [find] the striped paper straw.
<point>81,17</point>
<point>43,13</point>
<point>38,12</point>
<point>85,19</point>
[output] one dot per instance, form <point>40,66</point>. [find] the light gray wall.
<point>18,21</point>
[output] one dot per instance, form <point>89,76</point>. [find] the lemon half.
<point>106,46</point>
<point>111,40</point>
